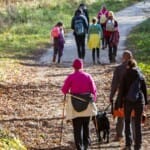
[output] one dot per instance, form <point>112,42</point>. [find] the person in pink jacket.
<point>80,82</point>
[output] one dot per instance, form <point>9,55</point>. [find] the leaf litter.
<point>31,106</point>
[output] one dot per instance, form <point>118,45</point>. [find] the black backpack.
<point>79,26</point>
<point>135,93</point>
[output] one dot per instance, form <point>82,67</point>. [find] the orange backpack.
<point>55,32</point>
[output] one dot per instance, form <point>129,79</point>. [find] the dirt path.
<point>31,103</point>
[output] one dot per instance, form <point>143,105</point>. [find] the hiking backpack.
<point>79,27</point>
<point>103,18</point>
<point>55,32</point>
<point>110,25</point>
<point>134,93</point>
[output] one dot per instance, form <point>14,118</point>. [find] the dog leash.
<point>107,107</point>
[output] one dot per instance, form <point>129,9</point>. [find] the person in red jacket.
<point>111,34</point>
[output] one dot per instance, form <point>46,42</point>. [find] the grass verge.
<point>25,26</point>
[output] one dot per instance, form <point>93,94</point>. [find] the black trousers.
<point>81,132</point>
<point>80,42</point>
<point>95,50</point>
<point>138,108</point>
<point>104,44</point>
<point>112,53</point>
<point>57,50</point>
<point>112,50</point>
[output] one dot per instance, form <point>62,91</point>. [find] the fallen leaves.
<point>31,107</point>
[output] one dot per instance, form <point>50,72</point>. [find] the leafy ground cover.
<point>31,107</point>
<point>25,26</point>
<point>29,91</point>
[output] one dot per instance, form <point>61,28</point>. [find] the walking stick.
<point>112,108</point>
<point>62,119</point>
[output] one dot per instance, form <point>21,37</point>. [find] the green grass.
<point>139,42</point>
<point>8,142</point>
<point>25,27</point>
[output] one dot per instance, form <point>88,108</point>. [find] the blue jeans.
<point>138,108</point>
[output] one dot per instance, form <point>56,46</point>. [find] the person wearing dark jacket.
<point>85,12</point>
<point>80,26</point>
<point>115,84</point>
<point>138,105</point>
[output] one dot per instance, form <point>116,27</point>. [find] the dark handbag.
<point>80,101</point>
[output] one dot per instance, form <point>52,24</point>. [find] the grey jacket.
<point>116,81</point>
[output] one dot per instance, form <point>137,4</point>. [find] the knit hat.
<point>77,64</point>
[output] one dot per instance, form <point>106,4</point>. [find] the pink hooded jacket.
<point>102,11</point>
<point>79,82</point>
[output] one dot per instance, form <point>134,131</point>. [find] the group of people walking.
<point>80,84</point>
<point>103,29</point>
<point>101,33</point>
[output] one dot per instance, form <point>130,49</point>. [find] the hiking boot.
<point>113,59</point>
<point>58,61</point>
<point>117,138</point>
<point>98,62</point>
<point>54,59</point>
<point>110,60</point>
<point>127,148</point>
<point>103,47</point>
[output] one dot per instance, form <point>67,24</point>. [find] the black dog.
<point>102,125</point>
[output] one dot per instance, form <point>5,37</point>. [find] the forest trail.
<point>31,105</point>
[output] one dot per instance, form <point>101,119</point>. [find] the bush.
<point>8,142</point>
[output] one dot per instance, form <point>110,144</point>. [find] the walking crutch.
<point>62,119</point>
